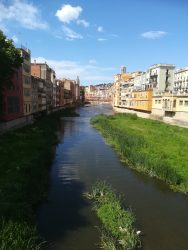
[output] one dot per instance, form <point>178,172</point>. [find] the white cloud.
<point>71,34</point>
<point>92,61</point>
<point>86,72</point>
<point>26,14</point>
<point>83,23</point>
<point>101,39</point>
<point>154,34</point>
<point>68,13</point>
<point>100,29</point>
<point>15,39</point>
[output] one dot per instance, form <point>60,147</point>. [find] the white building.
<point>161,77</point>
<point>140,81</point>
<point>181,81</point>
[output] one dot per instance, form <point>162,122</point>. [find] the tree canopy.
<point>10,59</point>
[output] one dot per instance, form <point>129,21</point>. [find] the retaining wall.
<point>180,121</point>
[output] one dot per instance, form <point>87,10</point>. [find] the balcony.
<point>153,76</point>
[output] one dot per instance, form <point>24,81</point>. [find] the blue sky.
<point>93,38</point>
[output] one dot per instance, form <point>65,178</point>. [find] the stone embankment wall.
<point>14,124</point>
<point>22,121</point>
<point>165,119</point>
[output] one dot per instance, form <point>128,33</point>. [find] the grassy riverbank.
<point>150,146</point>
<point>118,223</point>
<point>25,158</point>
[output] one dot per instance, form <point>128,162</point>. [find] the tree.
<point>10,59</point>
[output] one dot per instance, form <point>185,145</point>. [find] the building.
<point>68,92</point>
<point>141,100</point>
<point>12,98</point>
<point>82,94</point>
<point>122,84</point>
<point>27,88</point>
<point>161,77</point>
<point>181,81</point>
<point>171,105</point>
<point>54,86</point>
<point>34,94</point>
<point>43,71</point>
<point>99,93</point>
<point>39,94</point>
<point>60,93</point>
<point>77,90</point>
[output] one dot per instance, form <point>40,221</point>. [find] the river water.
<point>66,219</point>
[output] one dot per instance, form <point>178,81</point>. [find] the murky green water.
<point>66,220</point>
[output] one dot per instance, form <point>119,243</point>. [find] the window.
<point>26,68</point>
<point>27,80</point>
<point>27,92</point>
<point>180,103</point>
<point>13,104</point>
<point>186,103</point>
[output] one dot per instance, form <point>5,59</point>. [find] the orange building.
<point>141,100</point>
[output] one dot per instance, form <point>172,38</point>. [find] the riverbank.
<point>118,223</point>
<point>26,155</point>
<point>153,147</point>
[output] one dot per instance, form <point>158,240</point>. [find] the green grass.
<point>118,223</point>
<point>153,147</point>
<point>25,159</point>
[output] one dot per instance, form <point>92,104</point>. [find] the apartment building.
<point>12,98</point>
<point>161,77</point>
<point>38,94</point>
<point>26,74</point>
<point>60,93</point>
<point>141,100</point>
<point>181,80</point>
<point>54,86</point>
<point>34,94</point>
<point>43,71</point>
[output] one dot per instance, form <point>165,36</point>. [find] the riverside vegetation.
<point>118,223</point>
<point>153,147</point>
<point>26,155</point>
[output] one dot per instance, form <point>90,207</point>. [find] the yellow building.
<point>141,100</point>
<point>171,105</point>
<point>119,80</point>
<point>182,107</point>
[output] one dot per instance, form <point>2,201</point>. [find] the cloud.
<point>68,13</point>
<point>71,34</point>
<point>100,29</point>
<point>83,23</point>
<point>92,61</point>
<point>101,39</point>
<point>154,34</point>
<point>86,72</point>
<point>15,39</point>
<point>26,14</point>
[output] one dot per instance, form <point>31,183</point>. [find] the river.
<point>66,219</point>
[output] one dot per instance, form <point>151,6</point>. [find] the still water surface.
<point>66,219</point>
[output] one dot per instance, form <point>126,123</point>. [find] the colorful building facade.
<point>12,98</point>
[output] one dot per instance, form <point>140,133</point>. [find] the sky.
<point>92,39</point>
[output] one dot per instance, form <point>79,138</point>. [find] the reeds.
<point>26,156</point>
<point>118,230</point>
<point>141,145</point>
